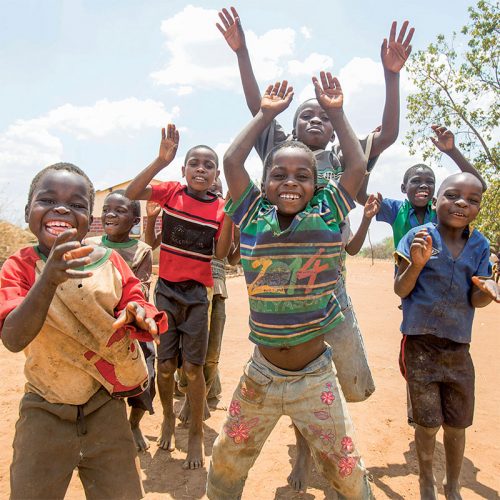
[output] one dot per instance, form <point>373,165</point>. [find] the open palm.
<point>395,52</point>
<point>231,29</point>
<point>277,97</point>
<point>329,92</point>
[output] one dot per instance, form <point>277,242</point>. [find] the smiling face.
<point>313,127</point>
<point>290,180</point>
<point>60,201</point>
<point>420,186</point>
<point>459,200</point>
<point>118,217</point>
<point>200,170</point>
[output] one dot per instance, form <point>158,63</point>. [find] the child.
<point>419,184</point>
<point>119,216</point>
<point>290,243</point>
<point>439,280</point>
<point>74,311</point>
<point>192,225</point>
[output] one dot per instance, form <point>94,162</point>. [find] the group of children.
<point>90,339</point>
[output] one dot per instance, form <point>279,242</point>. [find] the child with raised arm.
<point>290,245</point>
<point>442,277</point>
<point>419,184</point>
<point>76,311</point>
<point>192,225</point>
<point>119,216</point>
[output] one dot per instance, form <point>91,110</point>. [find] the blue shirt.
<point>440,302</point>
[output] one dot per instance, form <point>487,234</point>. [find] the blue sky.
<point>92,82</point>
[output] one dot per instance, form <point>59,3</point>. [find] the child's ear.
<point>183,171</point>
<point>434,203</point>
<point>332,139</point>
<point>26,214</point>
<point>136,220</point>
<point>403,188</point>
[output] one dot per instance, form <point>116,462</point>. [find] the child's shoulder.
<point>22,259</point>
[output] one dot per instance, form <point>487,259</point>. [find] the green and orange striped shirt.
<point>291,274</point>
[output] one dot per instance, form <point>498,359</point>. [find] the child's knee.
<point>427,431</point>
<point>453,432</point>
<point>192,371</point>
<point>167,368</point>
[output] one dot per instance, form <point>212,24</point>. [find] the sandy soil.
<point>384,438</point>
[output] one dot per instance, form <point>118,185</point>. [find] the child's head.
<point>289,177</point>
<point>119,214</point>
<point>60,197</point>
<point>201,167</point>
<point>217,188</point>
<point>419,184</point>
<point>312,126</point>
<point>459,200</point>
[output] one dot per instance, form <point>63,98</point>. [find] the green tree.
<point>460,89</point>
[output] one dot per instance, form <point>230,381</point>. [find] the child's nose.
<point>61,209</point>
<point>461,202</point>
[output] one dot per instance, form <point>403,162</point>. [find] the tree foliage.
<point>457,85</point>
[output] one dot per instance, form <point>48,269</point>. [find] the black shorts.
<point>186,305</point>
<point>144,401</point>
<point>440,377</point>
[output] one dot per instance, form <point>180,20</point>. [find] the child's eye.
<point>473,201</point>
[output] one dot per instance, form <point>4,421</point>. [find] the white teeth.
<point>290,196</point>
<point>58,223</point>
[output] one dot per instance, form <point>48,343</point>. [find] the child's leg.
<point>46,449</point>
<point>109,467</point>
<point>317,407</point>
<point>454,446</point>
<point>144,402</point>
<point>166,370</point>
<point>425,441</point>
<point>254,410</point>
<point>299,477</point>
<point>349,354</point>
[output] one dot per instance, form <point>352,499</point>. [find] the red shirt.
<point>190,229</point>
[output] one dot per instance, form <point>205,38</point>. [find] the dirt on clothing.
<point>383,437</point>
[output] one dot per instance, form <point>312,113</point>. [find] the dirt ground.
<point>384,439</point>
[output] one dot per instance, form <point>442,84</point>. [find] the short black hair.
<point>135,204</point>
<point>300,108</point>
<point>68,167</point>
<point>268,161</point>
<point>199,146</point>
<point>411,171</point>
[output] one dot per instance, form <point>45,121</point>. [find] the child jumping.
<point>192,225</point>
<point>290,245</point>
<point>119,216</point>
<point>75,311</point>
<point>442,277</point>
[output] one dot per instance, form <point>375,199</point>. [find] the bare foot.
<point>141,442</point>
<point>428,490</point>
<point>194,459</point>
<point>299,477</point>
<point>216,404</point>
<point>452,492</point>
<point>166,441</point>
<point>185,413</point>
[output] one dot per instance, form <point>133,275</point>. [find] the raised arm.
<point>408,272</point>
<point>331,99</point>
<point>235,37</point>
<point>372,207</point>
<point>393,55</point>
<point>445,142</point>
<point>150,236</point>
<point>139,188</point>
<point>223,244</point>
<point>275,100</point>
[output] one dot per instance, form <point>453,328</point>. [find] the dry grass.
<point>12,238</point>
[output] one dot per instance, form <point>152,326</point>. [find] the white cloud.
<point>313,64</point>
<point>198,57</point>
<point>306,32</point>
<point>28,145</point>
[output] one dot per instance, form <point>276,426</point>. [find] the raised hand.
<point>444,140</point>
<point>64,259</point>
<point>329,93</point>
<point>488,286</point>
<point>421,248</point>
<point>169,143</point>
<point>395,53</point>
<point>152,209</point>
<point>232,30</point>
<point>136,315</point>
<point>372,205</point>
<point>276,98</point>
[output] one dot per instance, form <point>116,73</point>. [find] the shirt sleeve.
<point>17,276</point>
<point>272,135</point>
<point>338,200</point>
<point>161,193</point>
<point>143,271</point>
<point>484,269</point>
<point>388,210</point>
<point>131,292</point>
<point>403,249</point>
<point>244,210</point>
